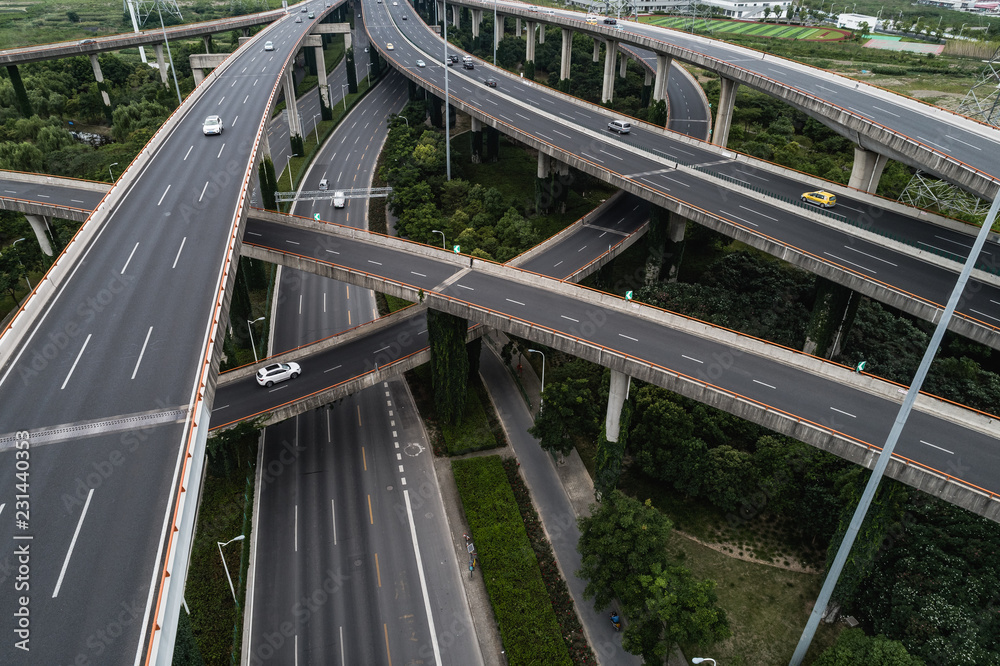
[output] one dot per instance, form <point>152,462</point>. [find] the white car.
<point>421,63</point>
<point>339,200</point>
<point>212,125</point>
<point>268,46</point>
<point>389,46</point>
<point>277,372</point>
<point>395,4</point>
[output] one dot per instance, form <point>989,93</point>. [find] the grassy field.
<point>723,28</point>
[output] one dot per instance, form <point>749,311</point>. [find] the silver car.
<point>277,372</point>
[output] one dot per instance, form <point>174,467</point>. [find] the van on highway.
<point>620,126</point>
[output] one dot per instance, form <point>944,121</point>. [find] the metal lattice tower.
<point>982,102</point>
<point>925,192</point>
<point>143,8</point>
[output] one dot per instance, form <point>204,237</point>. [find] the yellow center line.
<point>349,318</point>
<point>378,572</point>
<point>348,290</point>
<point>388,655</point>
<point>371,517</point>
<point>364,458</point>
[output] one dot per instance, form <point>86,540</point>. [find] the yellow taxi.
<point>820,198</point>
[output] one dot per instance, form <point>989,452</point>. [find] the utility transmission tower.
<point>982,102</point>
<point>143,8</point>
<point>924,191</point>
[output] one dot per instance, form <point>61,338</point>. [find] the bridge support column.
<point>867,169</point>
<point>610,54</point>
<point>199,75</point>
<point>492,144</point>
<point>207,40</point>
<point>597,50</point>
<point>324,88</point>
<point>498,28</point>
<point>291,106</point>
<point>563,183</point>
<point>543,185</point>
<point>666,245</point>
<point>476,136</point>
<point>456,15</point>
<point>622,65</point>
<point>161,64</point>
<point>663,63</point>
<point>477,19</point>
<point>20,94</point>
<point>347,41</point>
<point>529,51</point>
<point>617,393</point>
<point>832,317</point>
<point>541,33</point>
<point>647,89</point>
<point>265,145</point>
<point>439,11</point>
<point>565,59</point>
<point>99,75</point>
<point>724,116</point>
<point>39,224</point>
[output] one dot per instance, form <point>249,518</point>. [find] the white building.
<point>854,21</point>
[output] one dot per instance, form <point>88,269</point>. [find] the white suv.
<point>277,372</point>
<point>212,125</point>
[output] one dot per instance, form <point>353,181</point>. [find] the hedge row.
<point>528,625</point>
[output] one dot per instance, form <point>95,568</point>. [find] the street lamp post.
<point>250,331</point>
<point>405,120</point>
<point>22,264</point>
<point>316,127</point>
<point>443,246</point>
<point>291,183</point>
<point>447,98</point>
<point>113,164</point>
<point>495,33</point>
<point>226,566</point>
<point>701,660</point>
<point>344,93</point>
<point>369,75</point>
<point>541,400</point>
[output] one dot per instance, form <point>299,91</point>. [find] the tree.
<point>562,404</point>
<point>620,541</point>
<point>449,364</point>
<point>268,183</point>
<point>675,607</point>
<point>854,647</point>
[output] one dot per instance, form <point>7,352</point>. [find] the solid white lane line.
<point>164,194</point>
<point>220,151</point>
<point>416,273</point>
<point>692,358</point>
<point>202,196</point>
<point>324,301</point>
<point>183,240</point>
<point>246,98</point>
<point>511,300</point>
<point>221,101</point>
<point>557,265</point>
<point>234,121</point>
<point>576,321</point>
<point>254,233</point>
<point>878,108</point>
<point>142,352</point>
<point>934,446</point>
<point>331,369</point>
<point>757,212</point>
<point>72,544</point>
<point>129,258</point>
<point>423,580</point>
<point>962,142</point>
<point>333,252</point>
<point>629,337</point>
<point>756,381</point>
<point>464,287</point>
<point>382,349</point>
<point>871,256</point>
<point>377,263</point>
<point>864,268</point>
<point>840,411</point>
<point>70,374</point>
<point>296,536</point>
<point>333,512</point>
<point>293,242</point>
<point>342,662</point>
<point>584,247</point>
<point>300,303</point>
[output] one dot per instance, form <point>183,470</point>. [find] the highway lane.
<point>332,557</point>
<point>119,341</point>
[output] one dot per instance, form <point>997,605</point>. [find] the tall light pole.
<point>369,75</point>
<point>701,660</point>
<point>113,164</point>
<point>250,331</point>
<point>316,127</point>
<point>447,97</point>
<point>541,400</point>
<point>443,246</point>
<point>226,566</point>
<point>25,272</point>
<point>344,93</point>
<point>495,33</point>
<point>291,183</point>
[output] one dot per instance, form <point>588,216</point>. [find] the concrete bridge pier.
<point>99,75</point>
<point>867,169</point>
<point>724,115</point>
<point>666,245</point>
<point>541,33</point>
<point>316,43</point>
<point>517,27</point>
<point>622,65</point>
<point>476,136</point>
<point>663,63</point>
<point>610,55</point>
<point>617,393</point>
<point>265,145</point>
<point>597,50</point>
<point>456,16</point>
<point>498,28</point>
<point>543,186</point>
<point>161,64</point>
<point>529,51</point>
<point>40,225</point>
<point>566,55</point>
<point>477,19</point>
<point>20,94</point>
<point>207,40</point>
<point>291,104</point>
<point>202,61</point>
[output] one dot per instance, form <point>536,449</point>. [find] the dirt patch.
<point>945,100</point>
<point>738,551</point>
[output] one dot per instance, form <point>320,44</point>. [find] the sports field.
<point>810,33</point>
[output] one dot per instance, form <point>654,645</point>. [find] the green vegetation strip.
<point>528,625</point>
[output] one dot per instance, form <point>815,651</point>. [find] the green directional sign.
<point>628,295</point>
<point>458,249</point>
<point>316,216</point>
<point>860,367</point>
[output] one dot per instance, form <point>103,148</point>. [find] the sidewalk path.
<point>554,506</point>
